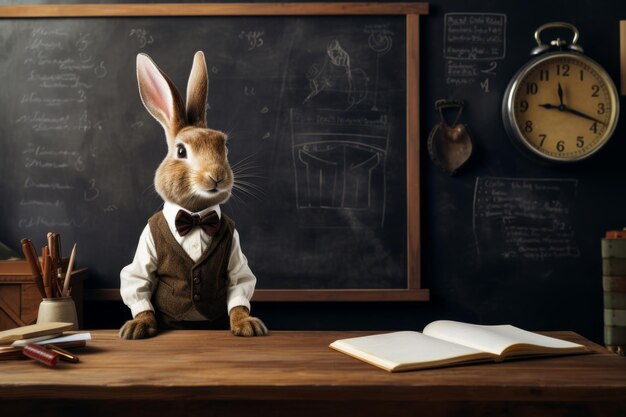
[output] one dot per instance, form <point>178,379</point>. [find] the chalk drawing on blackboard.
<point>338,175</point>
<point>339,164</point>
<point>380,41</point>
<point>525,218</point>
<point>337,74</point>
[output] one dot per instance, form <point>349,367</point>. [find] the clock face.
<point>562,107</point>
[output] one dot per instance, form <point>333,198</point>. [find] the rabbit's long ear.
<point>197,90</point>
<point>160,96</point>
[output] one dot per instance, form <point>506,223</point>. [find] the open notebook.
<point>448,343</point>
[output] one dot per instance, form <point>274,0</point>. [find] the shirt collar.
<point>171,209</point>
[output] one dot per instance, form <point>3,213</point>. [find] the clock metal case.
<point>508,102</point>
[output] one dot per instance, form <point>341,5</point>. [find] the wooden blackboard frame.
<point>411,11</point>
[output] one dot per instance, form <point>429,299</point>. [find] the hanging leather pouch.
<point>450,147</point>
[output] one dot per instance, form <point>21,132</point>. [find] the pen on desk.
<point>63,354</point>
<point>30,254</point>
<point>68,274</point>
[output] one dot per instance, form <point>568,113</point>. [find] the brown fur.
<point>176,182</point>
<point>242,324</point>
<point>144,325</point>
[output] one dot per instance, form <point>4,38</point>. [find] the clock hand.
<point>566,109</point>
<point>577,113</point>
<point>560,92</point>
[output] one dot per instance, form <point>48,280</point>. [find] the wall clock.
<point>561,106</point>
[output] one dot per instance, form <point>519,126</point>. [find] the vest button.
<point>196,297</point>
<point>196,280</point>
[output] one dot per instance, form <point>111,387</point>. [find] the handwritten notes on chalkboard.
<point>56,74</point>
<point>528,219</point>
<point>473,45</point>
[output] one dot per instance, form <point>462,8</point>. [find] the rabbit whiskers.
<point>151,192</point>
<point>243,173</point>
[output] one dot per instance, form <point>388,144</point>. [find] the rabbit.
<point>173,282</point>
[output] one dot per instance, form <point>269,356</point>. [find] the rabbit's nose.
<point>215,179</point>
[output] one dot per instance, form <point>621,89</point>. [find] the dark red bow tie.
<point>185,222</point>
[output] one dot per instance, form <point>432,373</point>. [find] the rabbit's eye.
<point>181,152</point>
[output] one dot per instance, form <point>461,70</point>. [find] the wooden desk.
<point>295,374</point>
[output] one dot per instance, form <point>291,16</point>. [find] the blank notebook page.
<point>393,349</point>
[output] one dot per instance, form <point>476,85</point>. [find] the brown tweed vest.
<point>183,283</point>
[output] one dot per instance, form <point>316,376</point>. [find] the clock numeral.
<point>601,108</point>
<point>543,139</point>
<point>595,89</point>
<point>523,106</point>
<point>582,75</point>
<point>532,88</point>
<point>594,127</point>
<point>560,146</point>
<point>544,75</point>
<point>562,70</point>
<point>528,126</point>
<point>580,141</point>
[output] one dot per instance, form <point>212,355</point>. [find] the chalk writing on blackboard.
<point>253,38</point>
<point>523,218</point>
<point>473,45</point>
<point>143,36</point>
<point>58,73</point>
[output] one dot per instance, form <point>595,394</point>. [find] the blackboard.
<point>316,110</point>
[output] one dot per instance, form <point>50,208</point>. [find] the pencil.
<point>68,274</point>
<point>30,254</point>
<point>46,273</point>
<point>54,284</point>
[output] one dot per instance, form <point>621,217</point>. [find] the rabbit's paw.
<point>141,327</point>
<point>242,324</point>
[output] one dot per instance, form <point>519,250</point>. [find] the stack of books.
<point>44,342</point>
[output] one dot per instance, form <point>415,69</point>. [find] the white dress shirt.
<point>138,279</point>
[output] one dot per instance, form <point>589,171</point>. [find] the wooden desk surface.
<point>290,369</point>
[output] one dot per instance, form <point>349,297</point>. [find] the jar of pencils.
<point>60,309</point>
